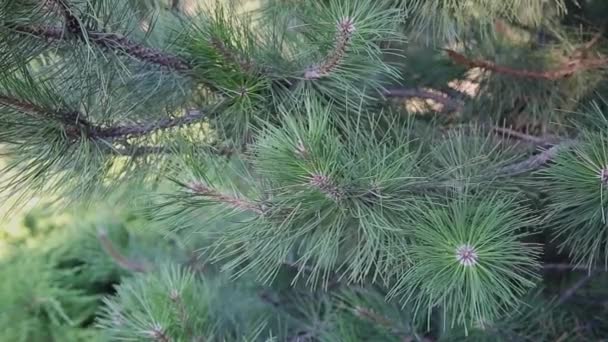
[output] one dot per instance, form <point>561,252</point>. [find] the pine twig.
<point>146,150</point>
<point>158,334</point>
<point>237,203</point>
<point>540,141</point>
<point>106,40</point>
<point>570,267</point>
<point>72,22</point>
<point>184,318</point>
<point>574,65</point>
<point>112,41</point>
<point>449,104</point>
<point>344,34</point>
<point>571,291</point>
<point>73,121</point>
<point>149,127</point>
<point>533,163</point>
<point>120,259</point>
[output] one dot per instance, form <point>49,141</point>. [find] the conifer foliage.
<point>328,170</point>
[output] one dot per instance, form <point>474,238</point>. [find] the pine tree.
<point>329,170</point>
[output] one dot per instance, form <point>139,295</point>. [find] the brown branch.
<point>145,150</point>
<point>570,267</point>
<point>112,41</point>
<point>149,127</point>
<point>119,42</point>
<point>73,121</point>
<point>540,141</point>
<point>567,69</point>
<point>571,291</point>
<point>530,164</point>
<point>449,104</point>
<point>157,333</point>
<point>533,163</point>
<point>118,258</point>
<point>106,40</point>
<point>25,107</point>
<point>72,23</point>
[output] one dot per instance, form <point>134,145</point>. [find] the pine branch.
<point>574,65</point>
<point>449,104</point>
<point>157,333</point>
<point>106,40</point>
<point>120,259</point>
<point>571,291</point>
<point>145,128</point>
<point>237,203</point>
<point>73,121</point>
<point>111,41</point>
<point>184,318</point>
<point>570,267</point>
<point>540,141</point>
<point>533,163</point>
<point>71,20</point>
<point>146,150</point>
<point>345,30</point>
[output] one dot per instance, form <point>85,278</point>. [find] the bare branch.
<point>145,150</point>
<point>149,127</point>
<point>574,65</point>
<point>533,163</point>
<point>106,40</point>
<point>570,267</point>
<point>73,121</point>
<point>112,41</point>
<point>571,291</point>
<point>449,104</point>
<point>120,259</point>
<point>523,136</point>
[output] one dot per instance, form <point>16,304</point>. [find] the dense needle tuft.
<point>466,255</point>
<point>603,176</point>
<point>471,282</point>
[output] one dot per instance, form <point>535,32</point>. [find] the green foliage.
<point>336,170</point>
<point>174,304</point>
<point>577,183</point>
<point>469,260</point>
<point>38,304</point>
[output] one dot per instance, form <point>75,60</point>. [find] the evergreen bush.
<point>328,170</point>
